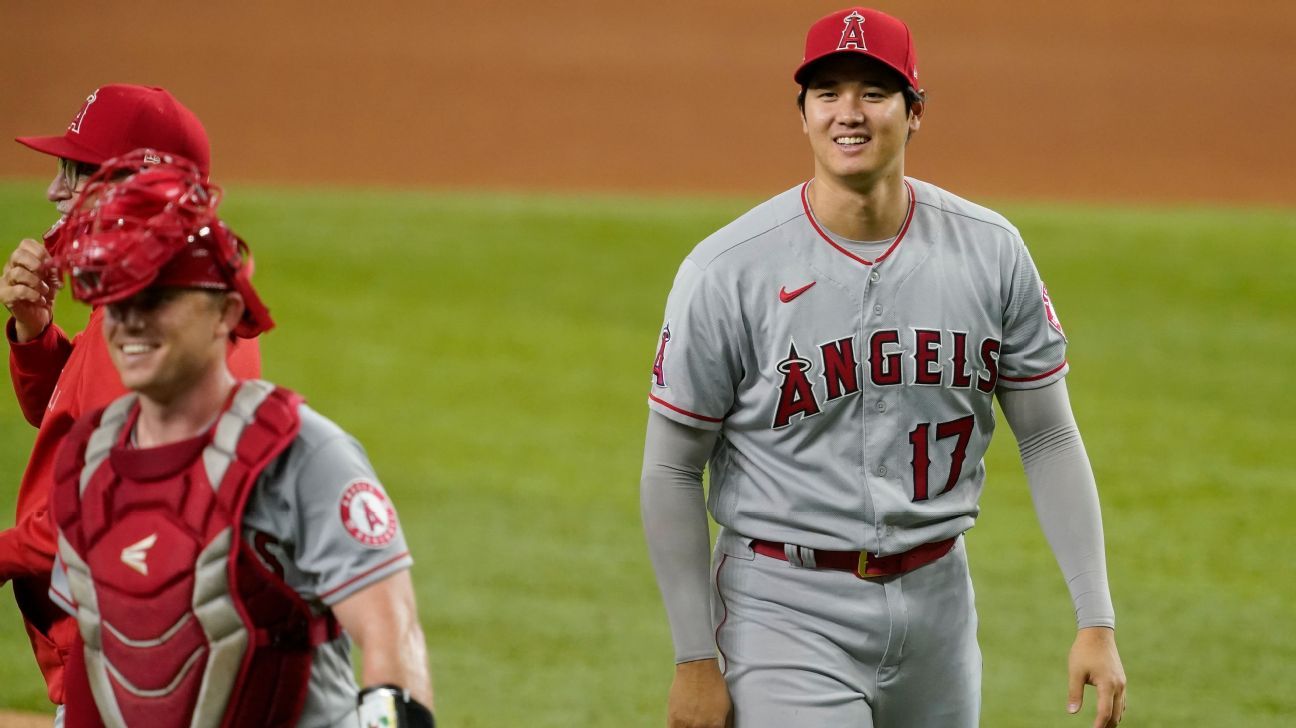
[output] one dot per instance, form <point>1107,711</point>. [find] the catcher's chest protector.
<point>183,625</point>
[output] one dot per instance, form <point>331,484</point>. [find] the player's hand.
<point>28,285</point>
<point>1094,661</point>
<point>698,696</point>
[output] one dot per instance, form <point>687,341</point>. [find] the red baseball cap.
<point>867,32</point>
<point>120,118</point>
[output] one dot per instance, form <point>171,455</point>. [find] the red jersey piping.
<point>1049,373</point>
<point>354,579</point>
<point>725,618</point>
<point>805,204</point>
<point>682,411</point>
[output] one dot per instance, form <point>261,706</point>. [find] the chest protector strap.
<point>183,624</point>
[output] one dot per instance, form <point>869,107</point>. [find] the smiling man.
<point>220,544</point>
<point>58,378</point>
<point>833,357</point>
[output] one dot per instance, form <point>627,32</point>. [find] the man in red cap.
<point>58,379</point>
<point>833,357</point>
<point>220,543</point>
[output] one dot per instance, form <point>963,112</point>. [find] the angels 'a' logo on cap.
<point>1049,311</point>
<point>75,126</point>
<point>853,33</point>
<point>367,514</point>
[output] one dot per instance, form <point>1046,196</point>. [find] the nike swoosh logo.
<point>785,295</point>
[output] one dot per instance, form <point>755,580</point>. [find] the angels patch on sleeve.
<point>367,513</point>
<point>659,363</point>
<point>1049,311</point>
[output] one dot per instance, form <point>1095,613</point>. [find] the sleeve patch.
<point>659,363</point>
<point>1049,311</point>
<point>367,513</point>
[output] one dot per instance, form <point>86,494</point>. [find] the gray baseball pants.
<point>817,648</point>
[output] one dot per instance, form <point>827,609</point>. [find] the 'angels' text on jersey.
<point>921,359</point>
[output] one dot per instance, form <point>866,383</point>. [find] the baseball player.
<point>219,542</point>
<point>58,379</point>
<point>832,357</point>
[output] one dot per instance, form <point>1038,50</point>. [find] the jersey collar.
<point>904,228</point>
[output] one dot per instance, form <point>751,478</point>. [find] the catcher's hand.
<point>390,706</point>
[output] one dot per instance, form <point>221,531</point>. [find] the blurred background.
<point>1109,100</point>
<point>467,217</point>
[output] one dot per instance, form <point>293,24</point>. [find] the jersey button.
<point>877,310</point>
<point>874,276</point>
<point>881,471</point>
<point>881,406</point>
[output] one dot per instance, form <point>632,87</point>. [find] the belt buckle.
<point>861,570</point>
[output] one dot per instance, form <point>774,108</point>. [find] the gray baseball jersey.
<point>319,518</point>
<point>854,396</point>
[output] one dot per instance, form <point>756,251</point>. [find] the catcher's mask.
<point>149,219</point>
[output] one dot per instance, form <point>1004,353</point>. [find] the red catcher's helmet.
<point>147,219</point>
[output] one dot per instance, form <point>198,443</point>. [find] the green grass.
<point>492,353</point>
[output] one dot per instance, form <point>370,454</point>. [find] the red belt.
<point>862,563</point>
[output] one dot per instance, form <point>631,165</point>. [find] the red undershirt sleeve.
<point>34,368</point>
<point>28,548</point>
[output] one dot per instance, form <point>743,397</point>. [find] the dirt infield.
<point>14,719</point>
<point>1157,100</point>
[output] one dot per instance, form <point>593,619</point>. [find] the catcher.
<point>220,543</point>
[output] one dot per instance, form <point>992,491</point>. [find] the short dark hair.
<point>912,96</point>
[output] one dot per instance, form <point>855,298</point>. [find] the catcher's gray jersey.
<point>319,518</point>
<point>319,515</point>
<point>854,397</point>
